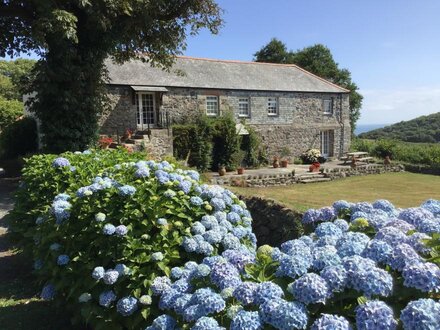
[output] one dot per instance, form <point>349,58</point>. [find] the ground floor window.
<point>145,109</point>
<point>327,142</point>
<point>212,105</point>
<point>243,107</point>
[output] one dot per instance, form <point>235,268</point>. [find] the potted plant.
<point>238,159</point>
<point>221,170</point>
<point>314,167</point>
<point>105,141</point>
<point>285,152</point>
<point>276,162</point>
<point>127,134</point>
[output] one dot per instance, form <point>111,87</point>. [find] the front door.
<point>326,143</point>
<point>145,114</point>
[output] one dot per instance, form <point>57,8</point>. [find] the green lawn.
<point>402,189</point>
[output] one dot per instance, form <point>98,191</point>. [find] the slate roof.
<point>221,74</point>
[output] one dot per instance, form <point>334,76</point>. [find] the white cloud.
<point>391,106</point>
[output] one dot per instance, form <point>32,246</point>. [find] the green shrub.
<point>225,142</point>
<point>19,139</point>
<point>10,110</point>
<point>65,216</point>
<point>251,144</point>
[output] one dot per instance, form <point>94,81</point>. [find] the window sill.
<point>244,116</point>
<point>212,114</point>
<point>328,113</point>
<point>272,115</point>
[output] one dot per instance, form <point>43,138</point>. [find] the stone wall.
<point>340,172</point>
<point>296,126</point>
<point>273,223</point>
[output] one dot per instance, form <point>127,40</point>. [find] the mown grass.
<point>402,189</point>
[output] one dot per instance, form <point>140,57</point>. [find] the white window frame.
<point>271,109</point>
<point>211,102</point>
<point>244,102</point>
<point>327,106</point>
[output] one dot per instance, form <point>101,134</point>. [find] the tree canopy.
<point>319,60</point>
<point>73,39</point>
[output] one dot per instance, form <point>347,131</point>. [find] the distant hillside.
<point>420,129</point>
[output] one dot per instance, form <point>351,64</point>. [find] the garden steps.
<point>312,178</point>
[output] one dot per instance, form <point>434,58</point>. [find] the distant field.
<point>402,189</point>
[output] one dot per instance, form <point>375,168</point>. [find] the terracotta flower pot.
<point>276,163</point>
<point>240,170</point>
<point>284,163</point>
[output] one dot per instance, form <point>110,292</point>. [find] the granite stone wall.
<point>296,126</point>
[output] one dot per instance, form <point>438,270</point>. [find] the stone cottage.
<point>288,106</point>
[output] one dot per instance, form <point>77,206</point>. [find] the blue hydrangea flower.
<point>106,298</point>
<point>127,306</point>
<point>60,162</point>
<point>432,205</point>
<point>291,266</point>
<point>325,256</point>
<point>357,215</point>
<point>328,229</point>
<point>284,315</point>
<point>169,193</point>
<point>121,230</point>
<point>62,197</point>
<point>352,243</point>
<point>224,275</point>
<point>206,323</point>
<point>182,285</point>
<point>331,322</point>
<point>375,315</point>
<point>213,236</point>
<point>327,213</point>
<point>197,228</point>
<point>157,256</point>
<point>84,192</point>
<point>145,300</point>
<point>399,224</point>
<point>127,190</point>
<point>176,272</point>
<point>209,221</point>
<point>357,263</point>
<point>336,277</point>
<point>61,210</point>
<point>218,204</point>
<point>310,289</point>
<point>422,276</point>
<point>246,320</point>
<point>379,251</point>
<point>403,255</point>
<point>233,217</point>
<point>384,205</point>
<point>245,293</point>
<point>429,226</point>
<point>372,282</point>
<point>48,292</point>
<point>110,277</point>
<point>193,174</point>
<point>142,172</point>
<point>54,247</point>
<point>189,244</point>
<point>185,186</point>
<point>341,205</point>
<point>98,273</point>
<point>100,217</point>
<point>230,242</point>
<point>109,229</point>
<point>163,322</point>
<point>203,302</point>
<point>63,260</point>
<point>326,240</point>
<point>311,216</point>
<point>422,314</point>
<point>160,284</point>
<point>342,224</point>
<point>196,200</point>
<point>239,258</point>
<point>391,235</point>
<point>268,291</point>
<point>361,207</point>
<point>122,269</point>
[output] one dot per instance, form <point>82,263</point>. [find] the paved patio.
<point>299,169</point>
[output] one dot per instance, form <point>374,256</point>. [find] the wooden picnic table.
<point>359,156</point>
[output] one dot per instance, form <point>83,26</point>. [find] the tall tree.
<point>319,60</point>
<point>73,39</point>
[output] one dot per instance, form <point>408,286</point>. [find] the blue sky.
<point>391,47</point>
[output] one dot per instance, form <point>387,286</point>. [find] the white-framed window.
<point>327,106</point>
<point>272,106</point>
<point>212,105</point>
<point>243,107</point>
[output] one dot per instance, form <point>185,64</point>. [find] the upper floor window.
<point>272,106</point>
<point>212,105</point>
<point>243,107</point>
<point>327,105</point>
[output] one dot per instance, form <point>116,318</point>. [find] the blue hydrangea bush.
<point>145,245</point>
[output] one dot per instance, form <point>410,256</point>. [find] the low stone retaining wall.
<point>341,172</point>
<point>283,179</point>
<point>273,222</point>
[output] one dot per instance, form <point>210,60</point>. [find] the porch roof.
<point>149,89</point>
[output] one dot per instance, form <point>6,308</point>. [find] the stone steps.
<point>312,178</point>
